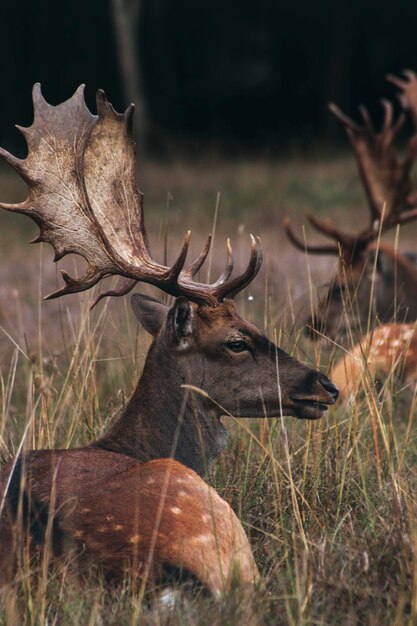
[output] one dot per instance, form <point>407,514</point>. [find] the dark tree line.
<point>241,75</point>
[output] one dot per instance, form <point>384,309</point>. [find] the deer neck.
<point>163,420</point>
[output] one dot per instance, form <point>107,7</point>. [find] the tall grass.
<point>329,506</point>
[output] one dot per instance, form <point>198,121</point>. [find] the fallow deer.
<point>80,171</point>
<point>389,350</point>
<point>373,277</point>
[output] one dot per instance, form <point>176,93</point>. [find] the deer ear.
<point>150,312</point>
<point>182,321</point>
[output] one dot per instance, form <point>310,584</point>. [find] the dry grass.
<point>329,507</point>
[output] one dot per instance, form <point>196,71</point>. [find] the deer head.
<point>80,171</point>
<point>372,278</point>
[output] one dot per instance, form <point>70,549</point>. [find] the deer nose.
<point>331,389</point>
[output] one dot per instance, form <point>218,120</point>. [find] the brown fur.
<point>165,419</point>
<point>388,348</point>
<point>105,506</point>
<point>124,515</point>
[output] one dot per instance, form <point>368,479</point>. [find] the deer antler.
<point>386,180</point>
<point>303,246</point>
<point>408,100</point>
<point>408,93</point>
<point>80,171</point>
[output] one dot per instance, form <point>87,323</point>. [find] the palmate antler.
<point>386,179</point>
<point>80,171</point>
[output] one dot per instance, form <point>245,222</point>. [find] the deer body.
<point>388,350</point>
<point>167,517</point>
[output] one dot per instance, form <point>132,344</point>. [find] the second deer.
<point>374,280</point>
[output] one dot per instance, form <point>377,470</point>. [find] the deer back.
<point>124,516</point>
<point>389,350</point>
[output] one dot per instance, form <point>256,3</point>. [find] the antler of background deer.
<point>386,179</point>
<point>408,92</point>
<point>80,171</point>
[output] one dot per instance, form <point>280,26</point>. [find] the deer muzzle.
<point>312,405</point>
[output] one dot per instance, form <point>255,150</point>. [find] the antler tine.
<point>342,117</point>
<point>408,216</point>
<point>170,280</point>
<point>127,286</point>
<point>327,228</point>
<point>367,122</point>
<point>408,92</point>
<point>225,275</point>
<point>192,269</point>
<point>303,246</point>
<point>232,287</point>
<point>75,285</point>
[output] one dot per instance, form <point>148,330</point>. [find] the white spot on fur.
<point>407,334</point>
<point>175,510</point>
<point>134,539</point>
<point>86,510</point>
<point>183,494</point>
<point>150,481</point>
<point>203,539</point>
<point>78,534</point>
<point>118,527</point>
<point>168,598</point>
<point>205,518</point>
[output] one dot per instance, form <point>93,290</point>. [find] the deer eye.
<point>238,345</point>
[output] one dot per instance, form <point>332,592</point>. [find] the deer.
<point>374,280</point>
<point>205,360</point>
<point>390,349</point>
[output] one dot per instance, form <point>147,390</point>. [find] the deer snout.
<point>329,387</point>
<point>312,397</point>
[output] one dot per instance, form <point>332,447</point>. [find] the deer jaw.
<point>238,370</point>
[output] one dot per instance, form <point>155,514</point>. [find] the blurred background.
<point>240,78</point>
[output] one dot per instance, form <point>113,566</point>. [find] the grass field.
<point>329,507</point>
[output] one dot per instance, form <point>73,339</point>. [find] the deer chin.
<point>309,409</point>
